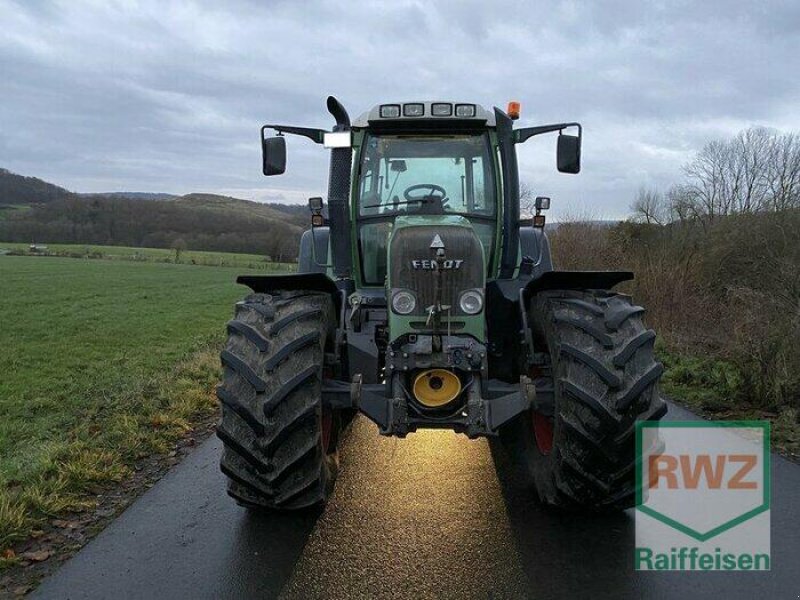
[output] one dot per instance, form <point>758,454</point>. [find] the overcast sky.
<point>169,96</point>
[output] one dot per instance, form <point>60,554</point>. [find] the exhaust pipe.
<point>338,195</point>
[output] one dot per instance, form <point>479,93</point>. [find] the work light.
<point>390,111</point>
<point>413,110</point>
<point>465,110</point>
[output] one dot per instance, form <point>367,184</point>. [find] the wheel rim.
<point>543,432</point>
<point>327,429</point>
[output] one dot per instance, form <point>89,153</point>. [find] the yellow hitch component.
<point>436,387</point>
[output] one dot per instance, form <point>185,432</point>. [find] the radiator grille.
<point>410,244</point>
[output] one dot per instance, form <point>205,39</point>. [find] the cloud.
<point>169,97</point>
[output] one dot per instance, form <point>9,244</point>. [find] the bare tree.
<point>757,170</point>
<point>650,206</point>
<point>527,200</point>
<point>683,205</point>
<point>784,172</point>
<point>705,185</point>
<point>750,154</point>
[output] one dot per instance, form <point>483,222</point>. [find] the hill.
<point>294,210</point>
<point>17,190</point>
<point>245,208</point>
<point>37,211</point>
<point>132,195</point>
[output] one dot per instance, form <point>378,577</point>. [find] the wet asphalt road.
<point>425,517</point>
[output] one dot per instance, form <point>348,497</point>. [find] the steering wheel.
<point>436,193</point>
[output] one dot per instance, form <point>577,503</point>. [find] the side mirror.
<point>568,153</point>
<point>273,151</point>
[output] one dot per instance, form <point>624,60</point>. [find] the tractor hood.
<point>436,259</point>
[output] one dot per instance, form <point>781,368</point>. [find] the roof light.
<point>390,111</point>
<point>513,110</point>
<point>441,109</point>
<point>465,110</point>
<point>413,110</point>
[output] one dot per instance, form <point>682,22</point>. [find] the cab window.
<point>406,175</point>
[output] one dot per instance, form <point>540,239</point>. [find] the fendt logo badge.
<point>432,265</point>
<point>704,492</point>
<point>424,264</point>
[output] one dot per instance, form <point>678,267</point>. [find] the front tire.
<point>279,444</point>
<point>605,376</point>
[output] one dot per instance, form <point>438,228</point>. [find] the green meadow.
<point>102,362</point>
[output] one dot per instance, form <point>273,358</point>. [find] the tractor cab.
<point>427,174</point>
<point>423,159</point>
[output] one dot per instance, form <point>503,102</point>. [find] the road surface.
<point>425,517</point>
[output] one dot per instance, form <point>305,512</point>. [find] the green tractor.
<point>423,300</point>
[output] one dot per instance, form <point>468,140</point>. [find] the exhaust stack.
<point>338,194</point>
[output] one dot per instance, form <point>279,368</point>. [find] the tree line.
<point>114,221</point>
<point>756,171</point>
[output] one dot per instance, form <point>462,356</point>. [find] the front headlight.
<point>404,302</point>
<point>471,302</point>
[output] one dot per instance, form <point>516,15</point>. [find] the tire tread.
<point>271,402</point>
<point>606,379</point>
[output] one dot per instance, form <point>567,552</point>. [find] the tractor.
<point>422,299</point>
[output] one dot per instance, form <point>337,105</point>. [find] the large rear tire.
<point>279,444</point>
<point>605,379</point>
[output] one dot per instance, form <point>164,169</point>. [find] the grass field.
<point>101,362</point>
<point>164,255</point>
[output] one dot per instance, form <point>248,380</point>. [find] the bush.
<point>728,291</point>
<point>763,346</point>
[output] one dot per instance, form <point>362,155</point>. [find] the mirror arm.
<point>315,135</point>
<point>521,135</point>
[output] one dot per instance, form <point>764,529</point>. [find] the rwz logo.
<point>690,470</point>
<point>703,492</point>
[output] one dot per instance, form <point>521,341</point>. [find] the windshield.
<point>414,175</point>
<point>427,175</point>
